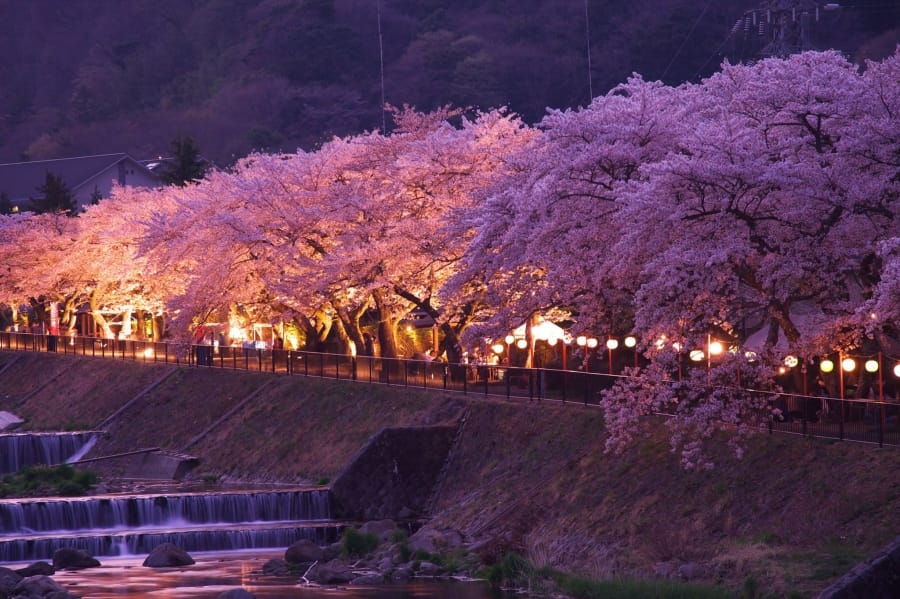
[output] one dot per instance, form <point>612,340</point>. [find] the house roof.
<point>20,179</point>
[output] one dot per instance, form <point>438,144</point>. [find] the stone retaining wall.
<point>393,474</point>
<point>877,578</point>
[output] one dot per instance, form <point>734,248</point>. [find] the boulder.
<point>435,541</point>
<point>276,567</point>
<point>8,581</point>
<point>303,551</point>
<point>331,552</point>
<point>168,555</point>
<point>690,571</point>
<point>383,529</point>
<point>333,572</point>
<point>236,594</point>
<point>402,574</point>
<point>428,569</point>
<point>35,587</point>
<point>36,568</point>
<point>69,558</point>
<point>368,579</point>
<point>385,565</point>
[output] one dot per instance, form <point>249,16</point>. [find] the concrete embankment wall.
<point>393,475</point>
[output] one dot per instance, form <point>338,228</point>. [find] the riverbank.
<point>791,516</point>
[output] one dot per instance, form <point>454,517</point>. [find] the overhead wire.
<point>686,38</point>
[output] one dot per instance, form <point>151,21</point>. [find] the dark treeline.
<point>95,76</point>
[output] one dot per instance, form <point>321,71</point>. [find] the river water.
<point>215,573</point>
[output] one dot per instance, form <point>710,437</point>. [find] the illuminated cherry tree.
<point>400,230</point>
<point>544,233</point>
<point>757,209</point>
<point>766,219</point>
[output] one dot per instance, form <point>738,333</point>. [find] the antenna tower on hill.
<point>781,27</point>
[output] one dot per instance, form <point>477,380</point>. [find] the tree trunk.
<point>387,327</point>
<point>99,320</point>
<point>349,330</point>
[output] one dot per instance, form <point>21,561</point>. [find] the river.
<point>216,572</point>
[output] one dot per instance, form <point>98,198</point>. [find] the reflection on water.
<point>215,573</point>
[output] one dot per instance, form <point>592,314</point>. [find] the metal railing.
<point>844,419</point>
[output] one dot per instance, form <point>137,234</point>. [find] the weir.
<point>218,538</point>
<point>21,450</point>
<point>134,524</point>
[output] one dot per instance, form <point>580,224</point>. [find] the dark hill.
<point>93,76</point>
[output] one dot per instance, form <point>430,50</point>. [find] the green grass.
<point>581,588</point>
<point>514,571</point>
<point>834,560</point>
<point>40,481</point>
<point>357,544</point>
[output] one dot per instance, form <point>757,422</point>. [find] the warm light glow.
<point>848,364</point>
<point>148,353</point>
<point>873,316</point>
<point>676,346</point>
<point>871,366</point>
<point>236,333</point>
<point>581,340</point>
<point>782,370</point>
<point>750,355</point>
<point>612,343</point>
<point>544,330</point>
<point>521,343</point>
<point>897,370</point>
<point>409,328</point>
<point>716,348</point>
<point>826,366</point>
<point>552,341</point>
<point>498,348</point>
<point>592,343</point>
<point>630,341</point>
<point>509,339</point>
<point>661,342</point>
<point>696,355</point>
<point>791,361</point>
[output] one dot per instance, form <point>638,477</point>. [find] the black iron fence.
<point>828,417</point>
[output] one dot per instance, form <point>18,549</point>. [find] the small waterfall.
<point>83,450</point>
<point>113,512</point>
<point>20,450</point>
<point>133,543</point>
<point>133,524</point>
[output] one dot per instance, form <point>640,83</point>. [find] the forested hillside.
<point>95,76</point>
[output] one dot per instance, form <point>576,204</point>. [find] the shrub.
<point>512,570</point>
<point>47,480</point>
<point>357,544</point>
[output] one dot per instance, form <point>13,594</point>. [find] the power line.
<point>686,38</point>
<point>587,32</point>
<point>381,63</point>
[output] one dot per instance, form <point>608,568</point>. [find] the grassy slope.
<point>793,514</point>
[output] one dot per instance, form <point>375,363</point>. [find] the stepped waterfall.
<point>134,524</point>
<point>21,450</point>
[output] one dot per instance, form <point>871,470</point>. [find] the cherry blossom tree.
<point>32,246</point>
<point>401,237</point>
<point>765,220</point>
<point>544,232</point>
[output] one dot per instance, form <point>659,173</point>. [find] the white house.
<point>86,176</point>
